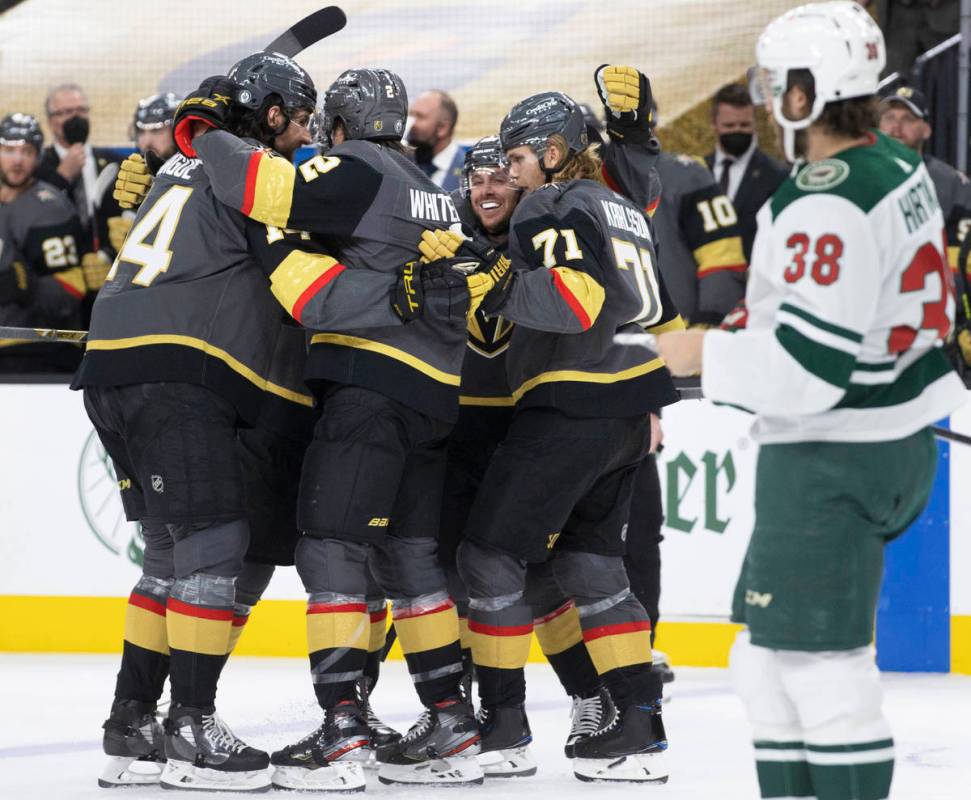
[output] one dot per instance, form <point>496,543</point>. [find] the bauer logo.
<point>98,491</point>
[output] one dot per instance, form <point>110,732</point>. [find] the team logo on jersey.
<point>823,175</point>
<point>489,337</point>
<point>98,491</point>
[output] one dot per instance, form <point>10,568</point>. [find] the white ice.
<point>52,707</point>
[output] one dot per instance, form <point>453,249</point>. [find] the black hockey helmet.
<point>532,121</point>
<point>20,128</point>
<point>484,154</point>
<point>263,74</point>
<point>370,103</point>
<point>155,112</point>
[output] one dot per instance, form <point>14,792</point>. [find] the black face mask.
<point>735,143</point>
<point>76,130</point>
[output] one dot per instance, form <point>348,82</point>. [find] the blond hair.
<point>585,165</point>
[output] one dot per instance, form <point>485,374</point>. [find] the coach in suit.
<point>747,175</point>
<point>432,119</point>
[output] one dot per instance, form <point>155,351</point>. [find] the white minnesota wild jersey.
<point>849,300</point>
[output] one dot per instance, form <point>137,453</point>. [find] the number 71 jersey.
<point>850,299</point>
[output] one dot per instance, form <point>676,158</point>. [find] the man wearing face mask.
<point>433,117</point>
<point>70,163</point>
<point>744,172</point>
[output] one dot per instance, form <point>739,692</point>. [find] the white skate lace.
<point>587,714</point>
<point>219,735</point>
<point>422,725</point>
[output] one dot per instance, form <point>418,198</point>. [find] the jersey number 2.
<point>161,219</point>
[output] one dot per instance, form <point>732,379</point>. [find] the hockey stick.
<point>42,335</point>
<point>389,640</point>
<point>310,30</point>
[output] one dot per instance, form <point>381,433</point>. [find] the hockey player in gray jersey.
<point>849,301</point>
<point>385,365</point>
<point>182,351</point>
<point>699,242</point>
<point>41,248</point>
<point>583,268</point>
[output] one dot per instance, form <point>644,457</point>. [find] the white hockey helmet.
<point>837,42</point>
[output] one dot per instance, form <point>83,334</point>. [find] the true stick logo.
<point>100,492</point>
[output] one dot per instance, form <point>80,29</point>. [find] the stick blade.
<point>310,30</point>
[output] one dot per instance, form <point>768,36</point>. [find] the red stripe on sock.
<point>497,630</point>
<point>336,608</point>
<point>616,630</point>
<point>554,614</point>
<point>141,601</point>
<point>423,612</point>
<point>189,610</point>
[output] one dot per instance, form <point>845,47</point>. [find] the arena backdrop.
<point>486,54</point>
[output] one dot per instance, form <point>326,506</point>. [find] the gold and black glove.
<point>15,285</point>
<point>133,182</point>
<point>118,228</point>
<point>94,267</point>
<point>626,96</point>
<point>446,283</point>
<point>209,104</point>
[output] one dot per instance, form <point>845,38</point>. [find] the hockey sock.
<point>378,611</point>
<point>240,618</point>
<point>428,630</point>
<point>338,631</point>
<point>782,769</point>
<point>145,653</point>
<point>199,624</point>
<point>861,771</point>
<point>561,639</point>
<point>500,649</point>
<point>618,639</point>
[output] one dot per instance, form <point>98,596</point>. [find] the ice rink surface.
<point>52,707</point>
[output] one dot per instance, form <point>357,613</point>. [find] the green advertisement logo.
<point>718,476</point>
<point>101,503</point>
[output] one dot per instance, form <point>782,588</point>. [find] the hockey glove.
<point>133,182</point>
<point>209,105</point>
<point>443,283</point>
<point>118,228</point>
<point>498,294</point>
<point>439,244</point>
<point>15,285</point>
<point>95,268</point>
<point>626,95</point>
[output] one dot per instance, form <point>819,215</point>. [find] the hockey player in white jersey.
<point>849,300</point>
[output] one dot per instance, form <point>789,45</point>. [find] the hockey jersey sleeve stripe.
<point>215,352</point>
<point>269,189</point>
<point>826,363</point>
<point>820,324</point>
<point>72,280</point>
<point>721,255</point>
<point>676,324</point>
<point>300,276</point>
<point>910,384</point>
<point>389,351</point>
<point>582,293</point>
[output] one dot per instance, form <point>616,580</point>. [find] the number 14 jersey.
<point>850,299</point>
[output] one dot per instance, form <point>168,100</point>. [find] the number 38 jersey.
<point>585,271</point>
<point>849,299</point>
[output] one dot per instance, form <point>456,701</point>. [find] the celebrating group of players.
<point>443,420</point>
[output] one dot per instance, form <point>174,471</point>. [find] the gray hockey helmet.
<point>371,104</point>
<point>155,112</point>
<point>20,128</point>
<point>263,74</point>
<point>484,154</point>
<point>532,121</point>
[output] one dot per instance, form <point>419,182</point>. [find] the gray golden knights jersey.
<point>585,270</point>
<point>369,205</point>
<point>954,194</point>
<point>41,228</point>
<point>699,244</point>
<point>188,300</point>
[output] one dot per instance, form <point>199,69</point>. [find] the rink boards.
<point>69,557</point>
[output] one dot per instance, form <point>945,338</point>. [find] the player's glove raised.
<point>133,181</point>
<point>94,267</point>
<point>626,95</point>
<point>15,285</point>
<point>440,288</point>
<point>208,105</point>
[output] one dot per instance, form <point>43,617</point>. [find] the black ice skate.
<point>203,753</point>
<point>329,759</point>
<point>505,742</point>
<point>134,745</point>
<point>380,734</point>
<point>440,748</point>
<point>631,748</point>
<point>589,714</point>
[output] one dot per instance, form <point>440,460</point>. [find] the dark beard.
<point>424,152</point>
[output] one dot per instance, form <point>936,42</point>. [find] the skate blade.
<point>638,768</point>
<point>513,763</point>
<point>123,771</point>
<point>340,776</point>
<point>452,771</point>
<point>184,776</point>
